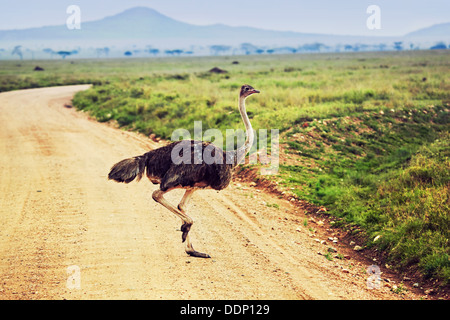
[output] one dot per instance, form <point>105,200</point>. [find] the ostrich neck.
<point>242,151</point>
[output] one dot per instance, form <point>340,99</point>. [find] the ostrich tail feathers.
<point>127,170</point>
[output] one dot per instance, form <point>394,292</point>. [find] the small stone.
<point>331,249</point>
<point>416,285</point>
<point>352,243</point>
<point>345,271</point>
<point>429,291</point>
<point>357,248</point>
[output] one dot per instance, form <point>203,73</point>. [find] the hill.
<point>142,23</point>
<point>145,24</point>
<point>437,30</point>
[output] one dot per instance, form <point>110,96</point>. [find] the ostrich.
<point>189,175</point>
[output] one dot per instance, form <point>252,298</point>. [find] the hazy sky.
<point>314,16</point>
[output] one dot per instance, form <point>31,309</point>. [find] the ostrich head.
<point>247,90</point>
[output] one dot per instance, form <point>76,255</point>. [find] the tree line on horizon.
<point>217,50</point>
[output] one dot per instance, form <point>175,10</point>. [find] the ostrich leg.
<point>182,206</point>
<point>158,196</point>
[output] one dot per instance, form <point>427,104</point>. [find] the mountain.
<point>437,30</point>
<point>140,23</point>
<point>146,24</point>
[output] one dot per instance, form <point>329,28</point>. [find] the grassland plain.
<point>364,134</point>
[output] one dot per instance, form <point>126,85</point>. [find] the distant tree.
<point>439,46</point>
<point>177,51</point>
<point>362,47</point>
<point>270,51</point>
<point>100,51</point>
<point>260,51</point>
<point>381,46</point>
<point>17,50</point>
<point>248,48</point>
<point>49,51</point>
<point>64,54</point>
<point>128,53</point>
<point>173,52</point>
<point>398,45</point>
<point>217,49</point>
<point>291,50</point>
<point>313,47</point>
<point>348,47</point>
<point>285,50</point>
<point>153,51</point>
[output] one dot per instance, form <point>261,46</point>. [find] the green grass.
<point>411,211</point>
<point>386,173</point>
<point>364,134</point>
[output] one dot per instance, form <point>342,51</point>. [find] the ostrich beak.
<point>254,91</point>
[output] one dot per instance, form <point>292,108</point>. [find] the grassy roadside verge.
<point>386,176</point>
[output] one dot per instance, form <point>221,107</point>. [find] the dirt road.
<point>69,233</point>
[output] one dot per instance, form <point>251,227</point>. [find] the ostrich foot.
<point>189,248</point>
<point>197,254</point>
